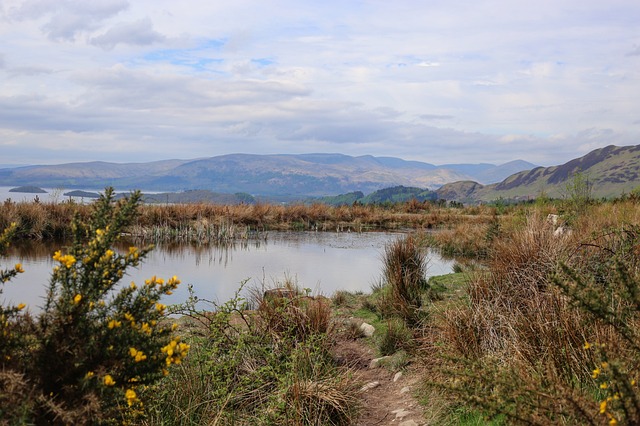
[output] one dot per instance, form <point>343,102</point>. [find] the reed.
<point>212,224</point>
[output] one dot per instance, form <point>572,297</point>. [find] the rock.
<point>397,377</point>
<point>401,413</point>
<point>408,423</point>
<point>405,390</point>
<point>367,329</point>
<point>375,363</point>
<point>370,386</point>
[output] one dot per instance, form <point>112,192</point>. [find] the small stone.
<point>375,363</point>
<point>408,423</point>
<point>397,377</point>
<point>370,386</point>
<point>400,413</point>
<point>367,329</point>
<point>404,390</point>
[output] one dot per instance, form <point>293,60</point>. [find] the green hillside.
<point>396,194</point>
<point>609,172</point>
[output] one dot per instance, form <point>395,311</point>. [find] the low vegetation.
<point>546,333</point>
<point>538,324</point>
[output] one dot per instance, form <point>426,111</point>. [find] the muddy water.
<point>322,262</point>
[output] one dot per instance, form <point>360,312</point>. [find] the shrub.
<point>96,343</point>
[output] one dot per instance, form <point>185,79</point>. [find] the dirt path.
<point>385,401</point>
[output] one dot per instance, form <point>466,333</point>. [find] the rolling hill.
<point>292,176</point>
<point>610,171</point>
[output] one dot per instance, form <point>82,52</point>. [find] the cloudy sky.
<point>441,81</point>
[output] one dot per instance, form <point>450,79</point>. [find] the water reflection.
<point>324,262</point>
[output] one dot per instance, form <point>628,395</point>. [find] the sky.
<point>440,81</point>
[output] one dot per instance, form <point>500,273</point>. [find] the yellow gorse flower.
<point>145,328</point>
<point>108,380</point>
<point>114,324</point>
<point>77,298</point>
<point>137,355</point>
<point>133,252</point>
<point>130,396</point>
<point>67,260</point>
<point>21,306</point>
<point>175,351</point>
<point>18,268</point>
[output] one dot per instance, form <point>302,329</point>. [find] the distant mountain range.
<point>610,172</point>
<point>284,176</point>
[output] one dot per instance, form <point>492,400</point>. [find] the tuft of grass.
<point>395,336</point>
<point>404,273</point>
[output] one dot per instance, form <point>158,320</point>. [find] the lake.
<point>322,261</point>
<point>53,195</point>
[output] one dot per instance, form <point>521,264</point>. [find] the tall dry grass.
<point>404,279</point>
<point>208,223</point>
<point>517,347</point>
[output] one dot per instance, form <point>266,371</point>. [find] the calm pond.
<point>322,261</point>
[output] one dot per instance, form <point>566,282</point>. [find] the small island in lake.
<point>84,194</point>
<point>28,190</point>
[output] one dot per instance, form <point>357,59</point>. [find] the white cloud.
<point>64,20</point>
<point>138,33</point>
<point>431,81</point>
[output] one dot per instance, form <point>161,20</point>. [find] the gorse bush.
<point>611,295</point>
<point>97,343</point>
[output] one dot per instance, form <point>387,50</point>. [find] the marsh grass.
<point>211,223</point>
<point>271,365</point>
<point>517,347</point>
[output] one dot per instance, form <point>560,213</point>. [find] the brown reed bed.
<point>214,224</point>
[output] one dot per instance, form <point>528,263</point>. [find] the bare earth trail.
<point>384,401</point>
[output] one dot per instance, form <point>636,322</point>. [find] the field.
<point>537,324</point>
